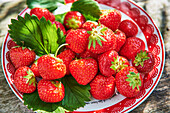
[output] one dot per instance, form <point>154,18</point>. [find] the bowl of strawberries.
<point>83,56</point>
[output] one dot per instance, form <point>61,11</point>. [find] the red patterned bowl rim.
<point>116,107</point>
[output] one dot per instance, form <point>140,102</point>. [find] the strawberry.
<point>102,87</point>
<point>105,62</point>
<point>69,1</point>
<point>24,80</point>
<point>50,91</point>
<point>129,28</point>
<point>21,56</point>
<point>87,54</point>
<point>67,56</point>
<point>60,25</point>
<point>83,70</point>
<point>34,69</point>
<point>40,12</point>
<point>51,68</point>
<point>110,18</point>
<point>103,40</point>
<point>74,20</point>
<point>89,25</point>
<point>129,82</point>
<point>131,47</point>
<point>144,61</point>
<point>121,39</point>
<point>77,40</point>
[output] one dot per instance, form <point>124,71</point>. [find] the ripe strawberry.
<point>21,56</point>
<point>111,19</point>
<point>131,47</point>
<point>87,54</point>
<point>103,40</point>
<point>24,80</point>
<point>51,68</point>
<point>74,20</point>
<point>102,87</point>
<point>69,1</point>
<point>129,28</point>
<point>51,91</point>
<point>144,61</point>
<point>60,25</point>
<point>83,70</point>
<point>129,82</point>
<point>121,39</point>
<point>40,12</point>
<point>89,25</point>
<point>34,69</point>
<point>77,40</point>
<point>67,56</point>
<point>105,62</point>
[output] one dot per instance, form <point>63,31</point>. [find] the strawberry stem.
<point>62,45</point>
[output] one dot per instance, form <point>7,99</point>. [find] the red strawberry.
<point>129,28</point>
<point>87,54</point>
<point>69,1</point>
<point>77,40</point>
<point>83,70</point>
<point>129,82</point>
<point>74,20</point>
<point>51,68</point>
<point>21,56</point>
<point>34,69</point>
<point>60,25</point>
<point>111,19</point>
<point>121,39</point>
<point>40,12</point>
<point>103,39</point>
<point>102,87</point>
<point>89,25</point>
<point>105,62</point>
<point>67,56</point>
<point>144,61</point>
<point>131,47</point>
<point>50,91</point>
<point>24,80</point>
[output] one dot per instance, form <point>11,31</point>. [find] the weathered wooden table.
<point>157,102</point>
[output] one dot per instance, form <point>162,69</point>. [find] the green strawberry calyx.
<point>140,58</point>
<point>73,23</point>
<point>117,64</point>
<point>30,78</point>
<point>56,83</point>
<point>96,35</point>
<point>134,80</point>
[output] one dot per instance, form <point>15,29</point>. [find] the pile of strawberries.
<point>105,54</point>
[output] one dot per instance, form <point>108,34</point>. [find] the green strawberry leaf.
<point>39,35</point>
<point>75,94</point>
<point>60,17</point>
<point>89,8</point>
<point>51,5</point>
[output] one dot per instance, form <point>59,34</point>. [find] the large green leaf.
<point>51,5</point>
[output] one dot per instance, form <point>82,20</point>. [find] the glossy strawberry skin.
<point>129,28</point>
<point>74,20</point>
<point>77,40</point>
<point>83,70</point>
<point>50,93</point>
<point>105,60</point>
<point>121,39</point>
<point>111,19</point>
<point>51,68</point>
<point>87,53</point>
<point>102,87</point>
<point>123,86</point>
<point>21,56</point>
<point>147,64</point>
<point>40,12</point>
<point>21,82</point>
<point>131,47</point>
<point>89,25</point>
<point>60,25</point>
<point>34,68</point>
<point>67,56</point>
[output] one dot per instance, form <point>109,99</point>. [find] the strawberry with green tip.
<point>129,82</point>
<point>24,80</point>
<point>51,91</point>
<point>144,61</point>
<point>21,56</point>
